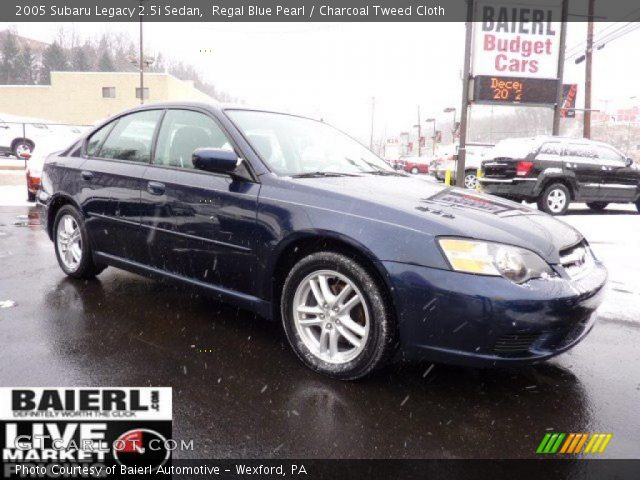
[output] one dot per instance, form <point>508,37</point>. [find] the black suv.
<point>555,171</point>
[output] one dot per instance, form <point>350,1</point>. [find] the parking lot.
<point>239,391</point>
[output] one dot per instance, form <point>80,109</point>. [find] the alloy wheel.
<point>69,240</point>
<point>331,316</point>
<point>470,181</point>
<point>556,200</point>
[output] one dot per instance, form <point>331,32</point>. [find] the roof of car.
<point>551,138</point>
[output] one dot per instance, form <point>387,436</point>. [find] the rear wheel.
<point>335,316</point>
<point>470,179</point>
<point>555,199</point>
<point>21,147</point>
<point>597,206</point>
<point>72,245</point>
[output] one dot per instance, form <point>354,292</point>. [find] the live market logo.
<point>57,431</point>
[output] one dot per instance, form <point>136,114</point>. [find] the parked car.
<point>473,161</point>
<point>35,159</point>
<point>415,165</point>
<point>293,220</point>
<point>16,140</point>
<point>555,171</point>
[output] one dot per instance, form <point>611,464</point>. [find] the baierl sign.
<point>516,40</point>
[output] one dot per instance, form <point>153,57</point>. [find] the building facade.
<point>84,98</point>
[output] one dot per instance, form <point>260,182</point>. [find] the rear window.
<point>512,148</point>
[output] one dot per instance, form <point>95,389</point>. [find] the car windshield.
<point>295,146</point>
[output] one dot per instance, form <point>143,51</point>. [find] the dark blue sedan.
<point>296,221</point>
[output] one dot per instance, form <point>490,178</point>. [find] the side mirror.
<point>629,161</point>
<point>215,160</point>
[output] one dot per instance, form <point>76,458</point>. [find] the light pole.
<point>453,127</point>
<point>419,127</point>
<point>433,138</point>
<point>141,65</point>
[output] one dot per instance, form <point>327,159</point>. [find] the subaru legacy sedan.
<point>291,219</point>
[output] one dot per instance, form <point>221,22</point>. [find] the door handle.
<point>155,188</point>
<point>88,176</point>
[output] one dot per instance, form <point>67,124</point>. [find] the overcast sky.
<point>333,70</point>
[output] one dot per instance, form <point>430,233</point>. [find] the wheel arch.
<point>297,246</point>
<point>547,180</point>
<point>54,206</point>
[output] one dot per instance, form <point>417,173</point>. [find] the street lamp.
<point>427,120</point>
<point>453,128</point>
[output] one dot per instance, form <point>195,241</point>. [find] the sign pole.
<point>465,96</point>
<point>563,37</point>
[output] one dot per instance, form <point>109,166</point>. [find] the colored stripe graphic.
<point>573,443</point>
<point>543,443</point>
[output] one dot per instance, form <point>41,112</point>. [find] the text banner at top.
<point>289,10</point>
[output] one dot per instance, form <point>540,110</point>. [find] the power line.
<point>608,38</point>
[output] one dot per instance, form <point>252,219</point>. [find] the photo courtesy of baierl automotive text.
<point>320,239</point>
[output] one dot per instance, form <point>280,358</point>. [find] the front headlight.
<point>487,258</point>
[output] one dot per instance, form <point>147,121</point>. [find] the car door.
<point>620,178</point>
<point>198,224</point>
<point>581,160</point>
<point>112,176</point>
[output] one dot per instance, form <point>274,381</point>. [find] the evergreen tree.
<point>54,59</point>
<point>9,52</point>
<point>26,66</point>
<point>80,60</point>
<point>105,64</point>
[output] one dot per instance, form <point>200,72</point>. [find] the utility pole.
<point>419,134</point>
<point>373,109</point>
<point>588,72</point>
<point>433,138</point>
<point>563,40</point>
<point>141,60</point>
<point>464,109</point>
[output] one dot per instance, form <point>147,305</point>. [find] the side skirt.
<point>248,302</point>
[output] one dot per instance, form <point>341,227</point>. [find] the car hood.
<point>438,210</point>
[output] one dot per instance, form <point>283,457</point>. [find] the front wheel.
<point>597,206</point>
<point>335,316</point>
<point>73,249</point>
<point>415,170</point>
<point>555,199</point>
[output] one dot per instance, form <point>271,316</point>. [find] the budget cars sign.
<point>516,40</point>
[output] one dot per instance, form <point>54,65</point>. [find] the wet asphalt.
<point>239,392</point>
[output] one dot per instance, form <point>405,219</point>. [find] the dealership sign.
<point>84,431</point>
<point>519,40</point>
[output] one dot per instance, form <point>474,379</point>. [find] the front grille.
<point>515,344</point>
<point>577,260</point>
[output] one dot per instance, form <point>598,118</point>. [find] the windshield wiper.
<point>323,174</point>
<point>386,173</point>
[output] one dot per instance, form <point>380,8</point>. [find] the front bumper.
<point>475,320</point>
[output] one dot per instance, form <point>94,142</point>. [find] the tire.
<point>31,197</point>
<point>555,199</point>
<point>597,206</point>
<point>78,263</point>
<point>638,205</point>
<point>21,145</point>
<point>470,180</point>
<point>365,334</point>
<point>415,170</point>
